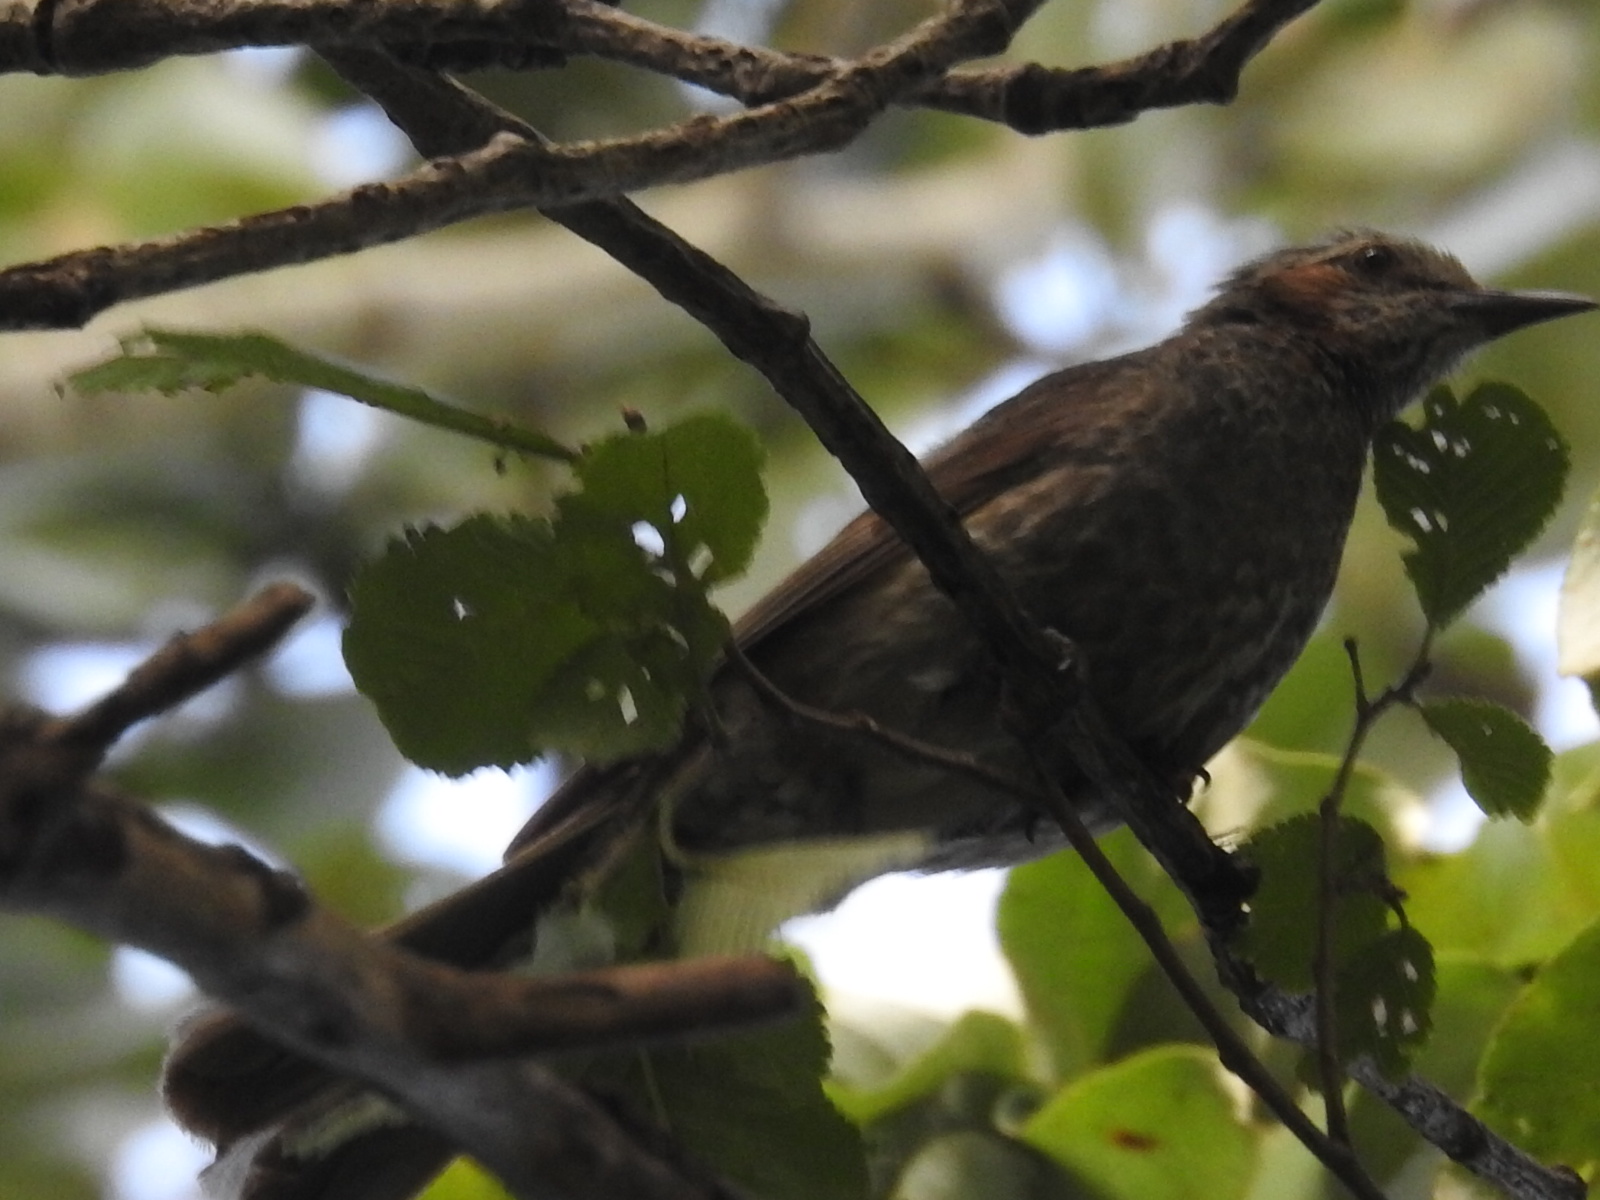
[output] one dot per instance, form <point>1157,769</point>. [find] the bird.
<point>1178,513</point>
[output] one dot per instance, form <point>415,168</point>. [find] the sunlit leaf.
<point>1471,487</point>
<point>1074,953</point>
<point>1536,1084</point>
<point>1156,1126</point>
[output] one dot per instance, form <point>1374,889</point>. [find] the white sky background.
<point>927,943</point>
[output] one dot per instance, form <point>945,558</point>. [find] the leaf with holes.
<point>453,632</point>
<point>697,484</point>
<point>1471,487</point>
<point>1505,765</point>
<point>506,638</point>
<point>1285,911</point>
<point>1384,1000</point>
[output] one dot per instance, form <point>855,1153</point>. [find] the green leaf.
<point>169,361</point>
<point>505,638</point>
<point>1536,1083</point>
<point>1074,954</point>
<point>977,1042</point>
<point>1384,1000</point>
<point>1505,765</point>
<point>698,484</point>
<point>1471,487</point>
<point>453,633</point>
<point>1285,911</point>
<point>752,1108</point>
<point>1472,996</point>
<point>1383,980</point>
<point>1157,1126</point>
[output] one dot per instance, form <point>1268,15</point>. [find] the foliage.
<point>122,518</point>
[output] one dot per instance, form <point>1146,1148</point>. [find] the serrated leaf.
<point>1505,765</point>
<point>1536,1081</point>
<point>1471,487</point>
<point>1156,1126</point>
<point>698,484</point>
<point>1285,911</point>
<point>752,1107</point>
<point>503,639</point>
<point>453,633</point>
<point>1384,1000</point>
<point>169,361</point>
<point>1383,981</point>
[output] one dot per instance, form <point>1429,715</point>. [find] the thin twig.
<point>1231,1049</point>
<point>187,665</point>
<point>1330,1068</point>
<point>861,725</point>
<point>442,116</point>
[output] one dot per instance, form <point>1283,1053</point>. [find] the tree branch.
<point>450,1045</point>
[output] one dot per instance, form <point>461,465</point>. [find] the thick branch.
<point>435,112</point>
<point>507,173</point>
<point>81,37</point>
<point>448,1044</point>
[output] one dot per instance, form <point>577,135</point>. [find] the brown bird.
<point>1179,513</point>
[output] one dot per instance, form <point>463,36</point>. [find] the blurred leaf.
<point>1301,713</point>
<point>169,361</point>
<point>1578,628</point>
<point>1471,487</point>
<point>1157,1126</point>
<point>1519,892</point>
<point>464,1179</point>
<point>972,1163</point>
<point>752,1107</point>
<point>1536,1084</point>
<point>976,1042</point>
<point>1073,951</point>
<point>1259,785</point>
<point>1505,765</point>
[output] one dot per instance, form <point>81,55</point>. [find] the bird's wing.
<point>224,1081</point>
<point>1002,448</point>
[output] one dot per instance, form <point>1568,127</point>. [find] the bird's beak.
<point>1498,313</point>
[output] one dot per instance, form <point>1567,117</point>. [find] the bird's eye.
<point>1376,259</point>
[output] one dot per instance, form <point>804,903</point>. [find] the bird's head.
<point>1396,314</point>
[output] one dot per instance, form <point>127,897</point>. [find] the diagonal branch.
<point>435,112</point>
<point>507,173</point>
<point>448,1044</point>
<point>93,36</point>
